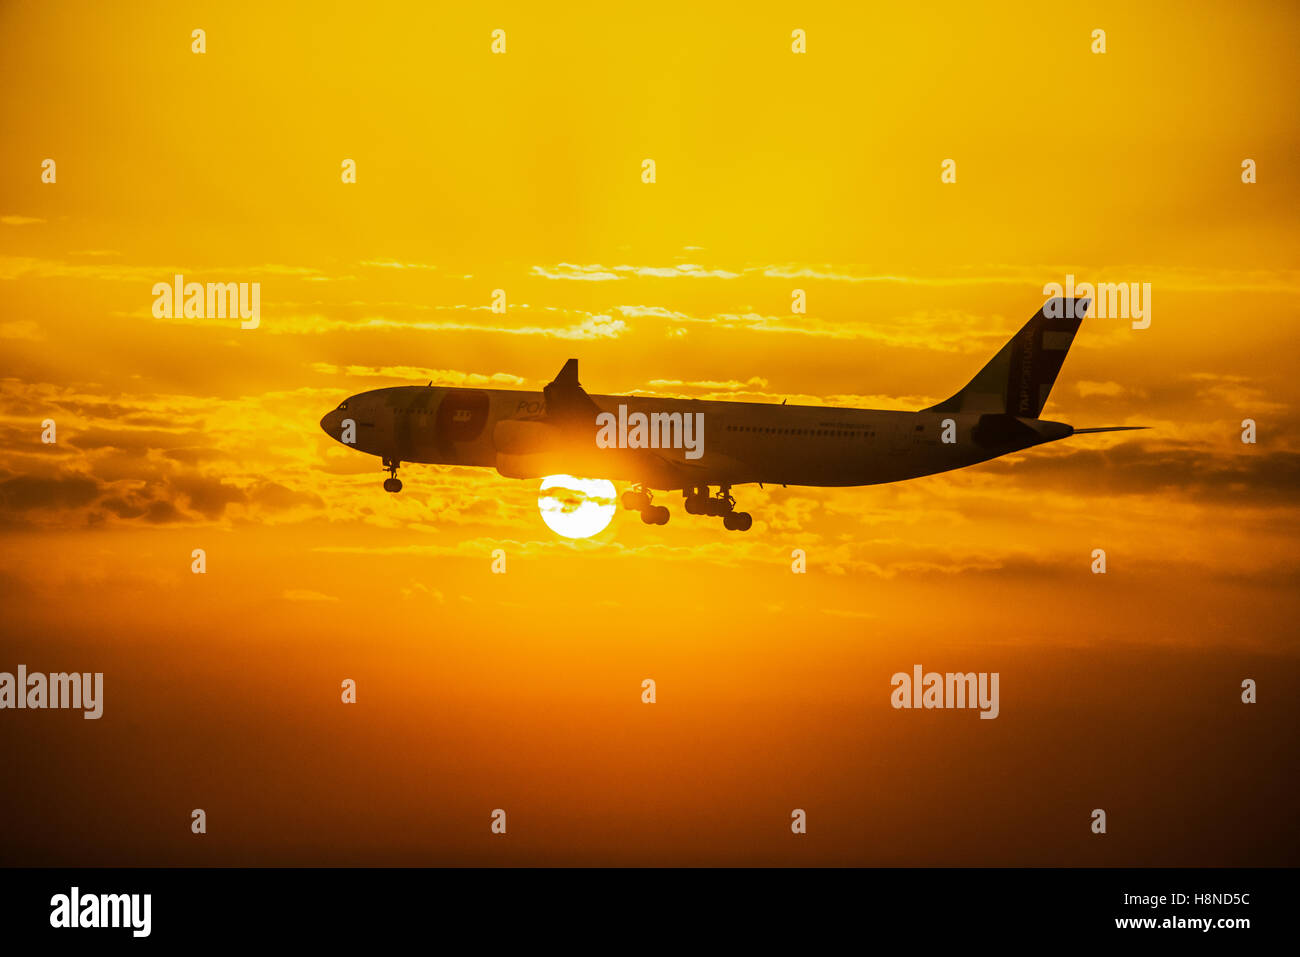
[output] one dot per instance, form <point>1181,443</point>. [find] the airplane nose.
<point>330,423</point>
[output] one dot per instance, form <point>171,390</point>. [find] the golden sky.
<point>522,172</point>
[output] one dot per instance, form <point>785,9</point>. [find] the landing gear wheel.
<point>741,521</point>
<point>636,500</point>
<point>721,504</point>
<point>655,515</point>
<point>696,501</point>
<point>392,483</point>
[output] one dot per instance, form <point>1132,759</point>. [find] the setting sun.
<point>576,507</point>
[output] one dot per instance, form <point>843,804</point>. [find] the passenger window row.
<point>820,433</point>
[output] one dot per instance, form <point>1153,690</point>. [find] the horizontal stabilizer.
<point>1112,428</point>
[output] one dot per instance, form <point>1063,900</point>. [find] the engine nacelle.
<point>527,449</point>
<point>523,436</point>
<point>529,465</point>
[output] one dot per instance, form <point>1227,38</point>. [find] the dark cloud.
<point>175,499</point>
<point>208,496</point>
<point>193,455</point>
<point>150,420</point>
<point>24,492</point>
<point>124,509</point>
<point>1249,475</point>
<point>273,495</point>
<point>138,441</point>
<point>160,512</point>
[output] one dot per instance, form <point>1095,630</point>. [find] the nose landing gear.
<point>392,483</point>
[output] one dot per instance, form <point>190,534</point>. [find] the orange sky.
<point>522,691</point>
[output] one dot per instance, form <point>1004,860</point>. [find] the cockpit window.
<point>343,405</point>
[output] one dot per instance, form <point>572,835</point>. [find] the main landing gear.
<point>637,499</point>
<point>699,502</point>
<point>392,483</point>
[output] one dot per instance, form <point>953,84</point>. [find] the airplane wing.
<point>571,411</point>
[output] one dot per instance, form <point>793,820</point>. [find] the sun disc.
<point>576,507</point>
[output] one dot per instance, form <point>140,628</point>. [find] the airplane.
<point>564,430</point>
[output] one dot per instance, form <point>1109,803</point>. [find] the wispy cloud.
<point>574,324</point>
<point>753,383</point>
<point>944,331</point>
<point>446,377</point>
<point>1165,278</point>
<point>31,267</point>
<point>303,594</point>
<point>394,264</point>
<point>608,273</point>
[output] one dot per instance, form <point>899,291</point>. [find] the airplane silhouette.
<point>695,445</point>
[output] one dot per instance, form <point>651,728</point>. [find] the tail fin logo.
<point>1019,378</point>
<point>1026,374</point>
